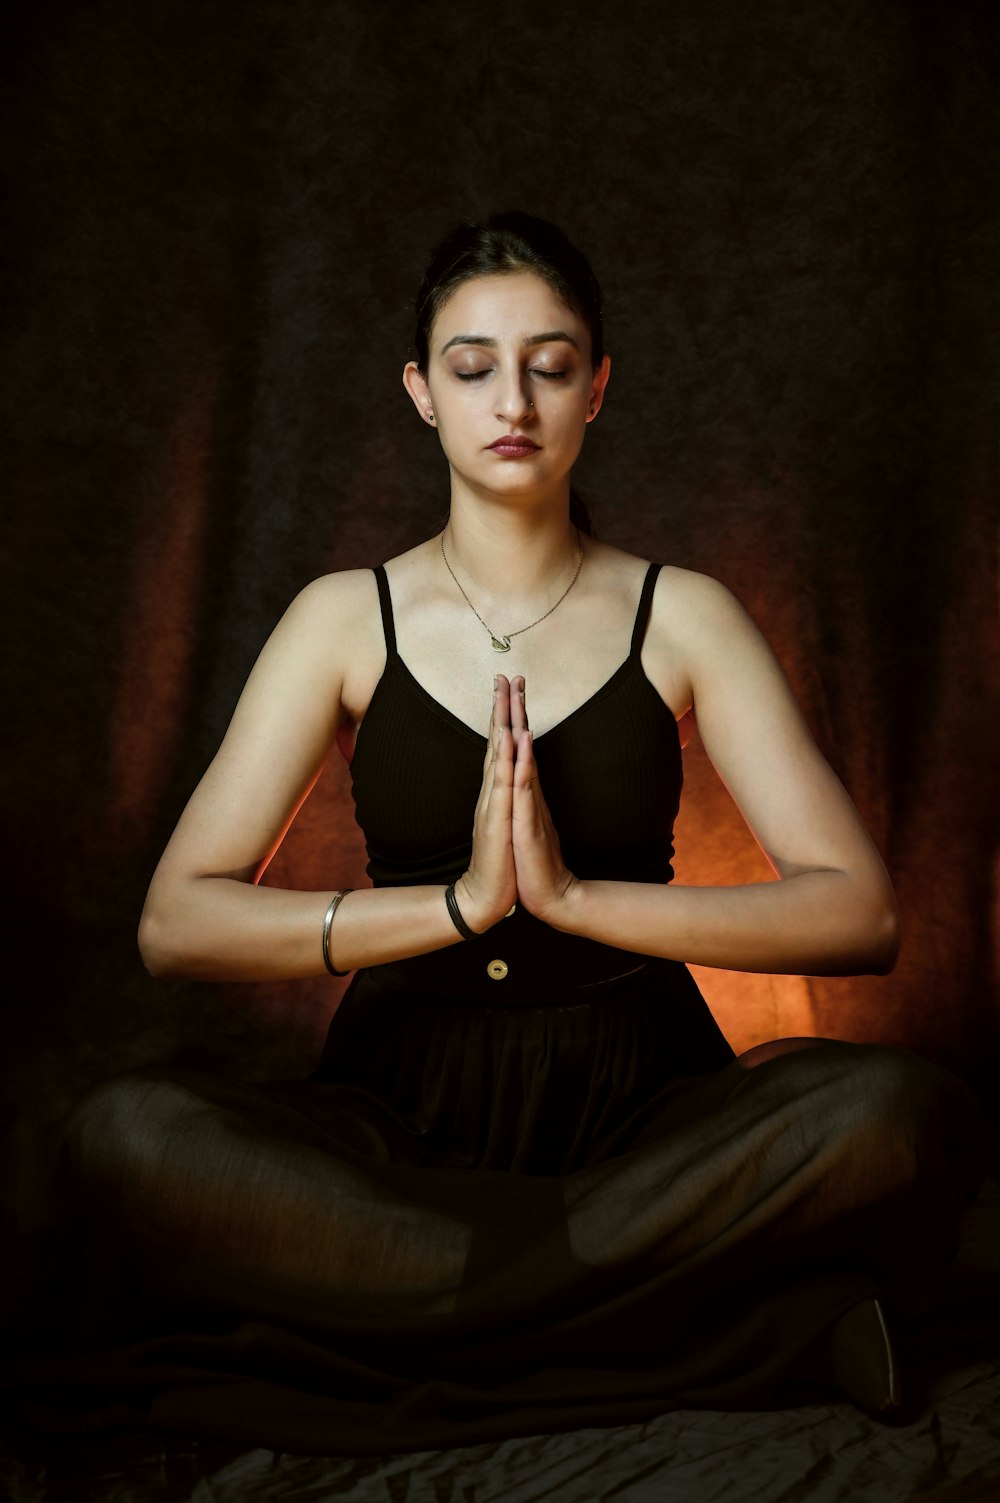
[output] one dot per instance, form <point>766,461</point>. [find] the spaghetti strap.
<point>642,614</point>
<point>385,601</point>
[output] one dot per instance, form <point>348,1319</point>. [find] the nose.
<point>513,403</point>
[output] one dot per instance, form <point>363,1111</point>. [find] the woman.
<point>528,1187</point>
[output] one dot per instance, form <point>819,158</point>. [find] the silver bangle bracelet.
<point>335,903</point>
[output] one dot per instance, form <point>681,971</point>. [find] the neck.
<point>507,558</point>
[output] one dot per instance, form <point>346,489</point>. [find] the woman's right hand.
<point>488,889</point>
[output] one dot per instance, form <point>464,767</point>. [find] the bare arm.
<point>205,916</point>
<point>833,911</point>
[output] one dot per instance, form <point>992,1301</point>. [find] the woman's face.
<point>510,383</point>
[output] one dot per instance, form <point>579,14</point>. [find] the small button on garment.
<point>497,969</point>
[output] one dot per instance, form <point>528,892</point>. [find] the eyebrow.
<point>484,341</point>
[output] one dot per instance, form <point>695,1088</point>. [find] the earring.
<point>430,417</point>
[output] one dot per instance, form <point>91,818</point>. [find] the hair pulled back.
<point>502,244</point>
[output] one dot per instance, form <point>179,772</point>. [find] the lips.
<point>513,445</point>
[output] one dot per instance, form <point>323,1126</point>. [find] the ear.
<point>416,384</point>
<point>601,375</point>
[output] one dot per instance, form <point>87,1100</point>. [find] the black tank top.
<point>611,774</point>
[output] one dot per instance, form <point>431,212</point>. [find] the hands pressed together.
<point>516,855</point>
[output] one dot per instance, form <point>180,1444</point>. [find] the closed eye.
<point>535,371</point>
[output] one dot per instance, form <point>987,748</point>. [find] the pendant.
<point>500,644</point>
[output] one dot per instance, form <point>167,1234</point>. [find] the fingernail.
<point>496,680</point>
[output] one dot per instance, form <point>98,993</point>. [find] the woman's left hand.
<point>544,882</point>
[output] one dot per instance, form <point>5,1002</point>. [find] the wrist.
<point>566,911</point>
<point>470,911</point>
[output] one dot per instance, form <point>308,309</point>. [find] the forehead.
<point>509,306</point>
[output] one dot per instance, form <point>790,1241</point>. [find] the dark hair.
<point>504,243</point>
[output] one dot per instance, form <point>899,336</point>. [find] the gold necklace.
<point>502,643</point>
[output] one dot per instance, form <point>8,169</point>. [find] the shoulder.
<point>678,594</point>
<point>697,633</point>
<point>325,625</point>
<point>334,608</point>
<point>693,608</point>
<point>685,604</point>
<point>334,598</point>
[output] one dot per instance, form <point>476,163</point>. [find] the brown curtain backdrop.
<point>217,215</point>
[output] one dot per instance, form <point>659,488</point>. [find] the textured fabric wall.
<point>218,216</point>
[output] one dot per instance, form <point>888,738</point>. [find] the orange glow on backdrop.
<point>715,849</point>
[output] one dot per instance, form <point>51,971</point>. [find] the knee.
<point>860,1083</point>
<point>905,1113</point>
<point>910,1127</point>
<point>875,1094</point>
<point>122,1126</point>
<point>872,1081</point>
<point>897,1087</point>
<point>887,1092</point>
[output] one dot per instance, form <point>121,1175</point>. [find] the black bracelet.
<point>456,917</point>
